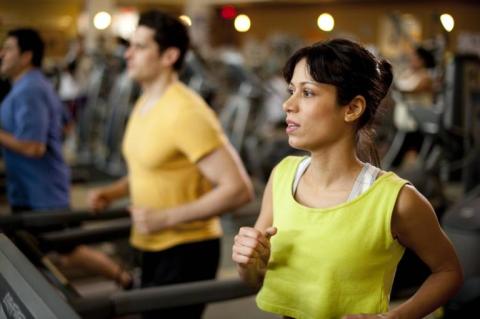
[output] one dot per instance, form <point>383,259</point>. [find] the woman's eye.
<point>290,91</point>
<point>307,93</point>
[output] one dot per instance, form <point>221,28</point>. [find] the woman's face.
<point>314,120</point>
<point>416,61</point>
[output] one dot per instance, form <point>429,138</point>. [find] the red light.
<point>228,12</point>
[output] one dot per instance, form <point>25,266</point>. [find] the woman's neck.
<point>334,168</point>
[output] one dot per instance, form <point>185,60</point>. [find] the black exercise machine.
<point>24,293</point>
<point>36,234</point>
<point>462,221</point>
<point>28,292</point>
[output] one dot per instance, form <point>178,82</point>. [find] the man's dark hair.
<point>29,40</point>
<point>169,32</point>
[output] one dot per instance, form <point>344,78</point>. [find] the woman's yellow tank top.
<point>328,262</point>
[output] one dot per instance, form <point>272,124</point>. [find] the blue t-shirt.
<point>32,111</point>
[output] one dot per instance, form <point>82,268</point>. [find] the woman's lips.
<point>291,126</point>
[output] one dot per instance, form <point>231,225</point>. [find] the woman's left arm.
<point>415,225</point>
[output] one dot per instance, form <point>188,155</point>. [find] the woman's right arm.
<point>415,226</point>
<point>251,248</point>
<point>100,198</point>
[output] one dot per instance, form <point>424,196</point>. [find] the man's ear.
<point>170,56</point>
<point>355,108</point>
<point>26,58</point>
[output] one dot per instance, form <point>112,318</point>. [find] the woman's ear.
<point>355,109</point>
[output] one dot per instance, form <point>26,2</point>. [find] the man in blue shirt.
<point>30,135</point>
<point>31,128</point>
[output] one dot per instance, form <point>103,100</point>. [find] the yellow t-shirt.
<point>161,148</point>
<point>329,262</point>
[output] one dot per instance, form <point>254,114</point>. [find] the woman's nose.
<point>290,104</point>
<point>128,53</point>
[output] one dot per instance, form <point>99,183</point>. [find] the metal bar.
<point>69,238</point>
<point>199,292</point>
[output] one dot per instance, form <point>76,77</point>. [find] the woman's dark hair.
<point>354,71</point>
<point>426,56</point>
<point>29,40</point>
<point>169,32</point>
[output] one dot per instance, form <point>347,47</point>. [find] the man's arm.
<point>231,189</point>
<point>26,148</point>
<point>100,198</point>
<point>32,121</point>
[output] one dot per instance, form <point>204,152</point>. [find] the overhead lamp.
<point>125,22</point>
<point>447,22</point>
<point>242,23</point>
<point>186,19</point>
<point>325,22</point>
<point>102,20</point>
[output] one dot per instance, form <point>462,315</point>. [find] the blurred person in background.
<point>182,170</point>
<point>414,87</point>
<point>416,82</point>
<point>38,178</point>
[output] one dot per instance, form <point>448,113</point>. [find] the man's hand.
<point>26,148</point>
<point>97,200</point>
<point>147,221</point>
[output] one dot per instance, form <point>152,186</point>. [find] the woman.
<point>332,227</point>
<point>414,89</point>
<point>416,83</point>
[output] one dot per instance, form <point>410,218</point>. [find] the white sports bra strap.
<point>365,178</point>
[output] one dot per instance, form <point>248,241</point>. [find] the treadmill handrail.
<point>50,218</point>
<point>69,238</point>
<point>175,295</point>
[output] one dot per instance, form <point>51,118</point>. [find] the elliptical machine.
<point>462,221</point>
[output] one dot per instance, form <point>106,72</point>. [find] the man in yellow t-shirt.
<point>182,171</point>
